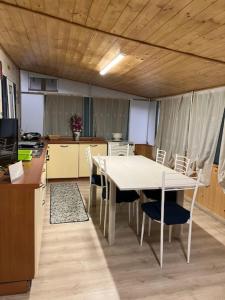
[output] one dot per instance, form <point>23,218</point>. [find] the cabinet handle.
<point>64,146</point>
<point>93,145</point>
<point>43,202</point>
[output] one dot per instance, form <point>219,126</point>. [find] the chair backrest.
<point>182,164</point>
<point>173,182</point>
<point>88,157</point>
<point>160,156</point>
<point>118,149</point>
<point>103,173</point>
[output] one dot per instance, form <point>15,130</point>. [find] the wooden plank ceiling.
<point>171,46</point>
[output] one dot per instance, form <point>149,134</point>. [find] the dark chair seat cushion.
<point>96,179</point>
<point>122,196</point>
<point>156,195</point>
<point>173,213</point>
<point>126,196</point>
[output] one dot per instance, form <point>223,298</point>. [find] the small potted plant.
<point>76,126</point>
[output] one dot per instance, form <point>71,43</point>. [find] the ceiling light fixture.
<point>115,61</point>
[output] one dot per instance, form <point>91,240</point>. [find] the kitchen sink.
<point>37,152</point>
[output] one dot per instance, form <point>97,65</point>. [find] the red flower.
<point>76,123</point>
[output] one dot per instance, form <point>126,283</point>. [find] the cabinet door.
<point>95,150</point>
<point>63,161</point>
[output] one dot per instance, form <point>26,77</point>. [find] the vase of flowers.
<point>76,126</point>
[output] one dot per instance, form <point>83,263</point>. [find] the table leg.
<point>112,213</point>
<point>94,188</point>
<point>180,200</point>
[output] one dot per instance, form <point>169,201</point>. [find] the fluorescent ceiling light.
<point>115,61</point>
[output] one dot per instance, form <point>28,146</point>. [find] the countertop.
<point>32,173</point>
<point>82,140</point>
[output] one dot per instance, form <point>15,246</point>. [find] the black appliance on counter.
<point>8,142</point>
<point>31,136</point>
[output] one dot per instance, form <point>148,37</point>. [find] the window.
<point>43,84</point>
<point>217,156</point>
<point>142,121</point>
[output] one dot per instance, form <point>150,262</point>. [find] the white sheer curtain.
<point>58,111</point>
<point>205,121</point>
<point>110,115</point>
<point>173,126</point>
<point>221,171</point>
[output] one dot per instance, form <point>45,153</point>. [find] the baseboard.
<point>16,287</point>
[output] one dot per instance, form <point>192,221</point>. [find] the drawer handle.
<point>93,145</point>
<point>64,146</point>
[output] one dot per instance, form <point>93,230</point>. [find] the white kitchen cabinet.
<point>63,161</point>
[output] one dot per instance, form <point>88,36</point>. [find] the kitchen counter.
<point>32,173</point>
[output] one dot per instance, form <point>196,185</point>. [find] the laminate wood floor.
<point>77,262</point>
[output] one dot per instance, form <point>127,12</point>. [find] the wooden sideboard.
<point>143,149</point>
<point>21,214</point>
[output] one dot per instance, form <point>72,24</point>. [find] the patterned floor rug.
<point>66,203</point>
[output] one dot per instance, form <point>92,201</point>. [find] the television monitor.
<point>8,142</point>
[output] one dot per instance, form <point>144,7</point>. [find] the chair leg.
<point>100,219</point>
<point>137,212</point>
<point>161,244</point>
<point>170,232</point>
<point>129,211</point>
<point>149,226</point>
<point>105,216</point>
<point>89,198</point>
<point>133,205</point>
<point>181,229</point>
<point>142,229</point>
<point>189,242</point>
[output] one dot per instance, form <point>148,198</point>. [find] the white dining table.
<point>136,173</point>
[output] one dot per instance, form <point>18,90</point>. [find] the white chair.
<point>156,194</point>
<point>160,156</point>
<point>121,196</point>
<point>94,179</point>
<point>118,149</point>
<point>170,213</point>
<point>182,164</point>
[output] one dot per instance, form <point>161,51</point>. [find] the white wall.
<point>76,88</point>
<point>11,71</point>
<point>32,113</point>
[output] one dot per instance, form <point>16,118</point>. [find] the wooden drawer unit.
<point>63,160</point>
<point>96,149</point>
<point>21,221</point>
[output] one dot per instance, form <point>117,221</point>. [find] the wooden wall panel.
<point>211,197</point>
